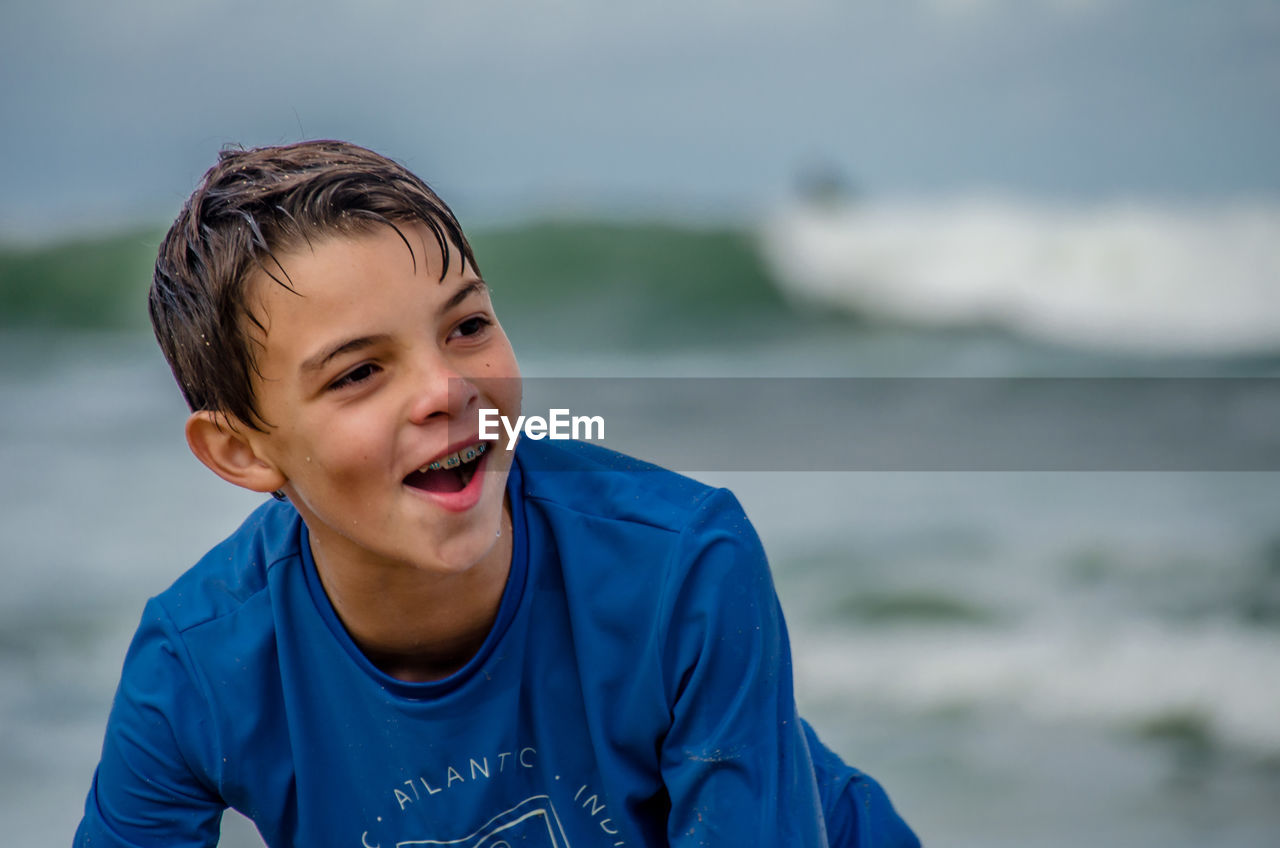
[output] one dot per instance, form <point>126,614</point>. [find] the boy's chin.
<point>464,555</point>
<point>478,541</point>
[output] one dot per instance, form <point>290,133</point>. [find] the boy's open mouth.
<point>449,473</point>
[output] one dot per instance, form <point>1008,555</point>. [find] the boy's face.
<point>370,372</point>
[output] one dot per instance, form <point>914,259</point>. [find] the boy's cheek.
<point>506,394</point>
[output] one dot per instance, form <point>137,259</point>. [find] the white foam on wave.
<point>1127,675</point>
<point>1138,277</point>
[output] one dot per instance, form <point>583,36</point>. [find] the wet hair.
<point>249,208</point>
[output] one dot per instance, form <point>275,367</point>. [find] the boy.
<point>427,639</point>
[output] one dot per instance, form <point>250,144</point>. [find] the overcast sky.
<point>112,110</point>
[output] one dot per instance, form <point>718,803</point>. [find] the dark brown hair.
<point>249,207</point>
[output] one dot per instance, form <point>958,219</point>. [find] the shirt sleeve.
<point>153,785</point>
<point>856,809</point>
<point>735,761</point>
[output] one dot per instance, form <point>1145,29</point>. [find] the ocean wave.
<point>1127,277</point>
<point>1129,676</point>
<point>613,282</point>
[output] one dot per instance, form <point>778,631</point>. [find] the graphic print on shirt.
<point>427,818</point>
<point>532,823</point>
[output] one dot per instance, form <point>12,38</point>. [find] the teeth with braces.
<point>453,460</point>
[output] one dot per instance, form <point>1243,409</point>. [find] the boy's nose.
<point>443,394</point>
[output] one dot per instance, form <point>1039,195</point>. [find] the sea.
<point>1026,647</point>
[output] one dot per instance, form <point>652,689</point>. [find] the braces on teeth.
<point>453,460</point>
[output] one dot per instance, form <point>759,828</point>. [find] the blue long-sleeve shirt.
<point>635,690</point>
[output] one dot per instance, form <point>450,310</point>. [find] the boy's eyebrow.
<point>315,363</point>
<point>473,287</point>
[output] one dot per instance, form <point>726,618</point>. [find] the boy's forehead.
<point>415,241</point>
<point>289,266</point>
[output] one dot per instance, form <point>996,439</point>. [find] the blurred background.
<point>940,188</point>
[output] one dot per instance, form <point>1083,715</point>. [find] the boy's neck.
<point>426,665</point>
<point>416,626</point>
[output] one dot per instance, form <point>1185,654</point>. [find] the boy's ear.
<point>230,454</point>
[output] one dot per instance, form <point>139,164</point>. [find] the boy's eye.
<point>472,326</point>
<point>355,375</point>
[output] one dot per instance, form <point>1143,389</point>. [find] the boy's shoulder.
<point>235,570</point>
<point>601,483</point>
